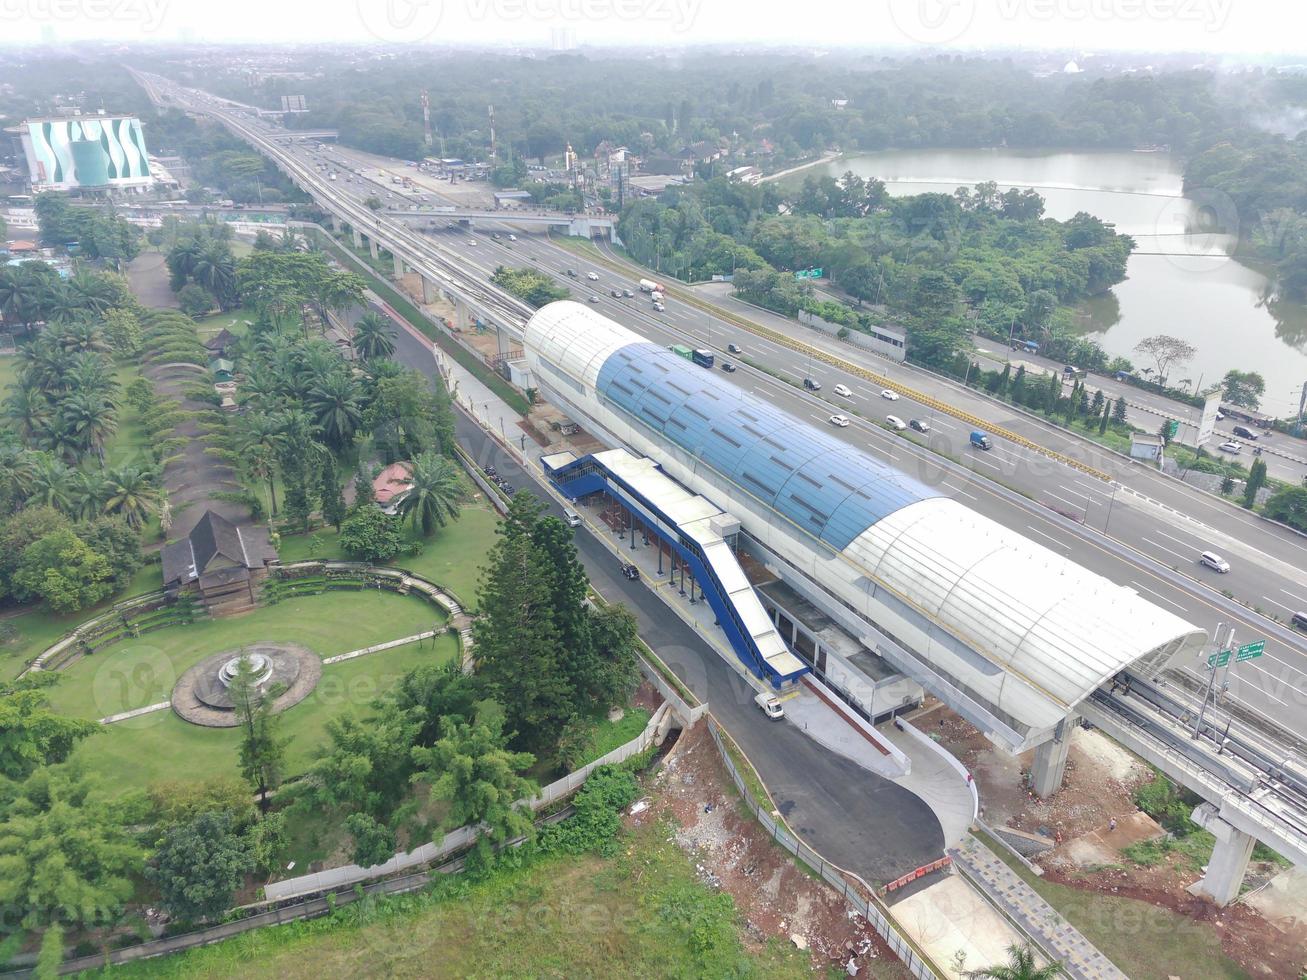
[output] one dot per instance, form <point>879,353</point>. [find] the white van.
<point>895,423</point>
<point>843,391</point>
<point>572,518</point>
<point>769,706</point>
<point>1214,561</point>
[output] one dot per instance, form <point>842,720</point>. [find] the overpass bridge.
<point>580,225</point>
<point>1254,789</point>
<point>300,135</point>
<point>440,270</point>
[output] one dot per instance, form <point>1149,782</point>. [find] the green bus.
<point>680,350</point>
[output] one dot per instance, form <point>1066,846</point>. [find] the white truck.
<point>656,297</point>
<point>769,706</point>
<point>649,286</point>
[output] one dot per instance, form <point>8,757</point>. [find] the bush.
<point>369,535</point>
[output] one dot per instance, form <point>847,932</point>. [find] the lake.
<point>1180,281</point>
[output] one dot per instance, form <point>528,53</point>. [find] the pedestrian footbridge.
<point>696,536</point>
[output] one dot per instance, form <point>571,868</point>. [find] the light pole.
<point>1108,523</point>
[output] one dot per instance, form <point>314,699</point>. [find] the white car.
<point>1233,448</point>
<point>512,238</point>
<point>841,420</point>
<point>895,423</point>
<point>843,390</point>
<point>888,395</point>
<point>592,276</point>
<point>471,241</point>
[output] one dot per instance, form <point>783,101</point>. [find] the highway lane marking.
<point>950,486</point>
<point>1163,547</point>
<point>1292,596</point>
<point>1187,544</point>
<point>989,463</point>
<point>1070,503</point>
<point>1261,691</point>
<point>1280,604</point>
<point>1060,544</point>
<point>1160,596</point>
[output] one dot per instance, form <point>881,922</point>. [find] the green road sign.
<point>1172,427</point>
<point>808,274</point>
<point>1251,651</point>
<point>1219,659</point>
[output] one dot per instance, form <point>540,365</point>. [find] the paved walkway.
<point>1036,917</point>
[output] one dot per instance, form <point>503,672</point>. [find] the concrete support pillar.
<point>1050,760</point>
<point>373,248</point>
<point>428,294</point>
<point>1229,861</point>
<point>502,340</point>
<point>460,316</point>
<point>399,266</point>
<point>358,239</point>
<point>335,224</point>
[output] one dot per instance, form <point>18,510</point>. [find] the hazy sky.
<point>1246,27</point>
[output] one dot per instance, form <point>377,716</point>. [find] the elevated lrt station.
<point>698,541</point>
<point>877,583</point>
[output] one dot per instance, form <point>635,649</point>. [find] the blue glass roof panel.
<point>819,482</point>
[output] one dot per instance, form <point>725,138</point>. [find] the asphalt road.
<point>855,818</point>
<point>1268,563</point>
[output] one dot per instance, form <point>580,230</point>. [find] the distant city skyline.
<point>1244,28</point>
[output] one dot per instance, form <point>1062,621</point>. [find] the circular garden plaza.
<point>162,672</point>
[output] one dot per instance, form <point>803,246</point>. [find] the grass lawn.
<point>161,746</point>
<point>8,372</point>
<point>453,557</point>
<point>608,735</point>
<point>233,320</point>
<point>640,913</point>
<point>130,444</point>
<point>1142,939</point>
<point>35,630</point>
<point>142,671</point>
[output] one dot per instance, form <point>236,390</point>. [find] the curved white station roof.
<point>1055,626</point>
<point>1060,627</point>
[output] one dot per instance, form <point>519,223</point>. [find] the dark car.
<point>728,367</point>
<point>811,385</point>
<point>615,293</point>
<point>733,348</point>
<point>1299,621</point>
<point>572,273</point>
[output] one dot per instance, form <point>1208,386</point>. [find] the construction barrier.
<point>916,873</point>
<point>798,346</point>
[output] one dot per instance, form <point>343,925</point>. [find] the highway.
<point>1162,525</point>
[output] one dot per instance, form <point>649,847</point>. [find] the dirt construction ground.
<point>695,796</point>
<point>1093,819</point>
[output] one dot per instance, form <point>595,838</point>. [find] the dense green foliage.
<point>542,652</point>
<point>1289,506</point>
<point>97,233</point>
<point>31,735</point>
<point>939,264</point>
<point>199,865</point>
<point>529,285</point>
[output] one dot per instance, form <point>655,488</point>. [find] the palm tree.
<point>433,495</point>
<point>215,270</point>
<point>29,410</point>
<point>259,442</point>
<point>373,337</point>
<point>87,492</point>
<point>16,468</point>
<point>1020,966</point>
<point>93,293</point>
<point>81,334</point>
<point>90,418</point>
<point>182,258</point>
<point>133,493</point>
<point>20,292</point>
<point>334,401</point>
<point>49,483</point>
